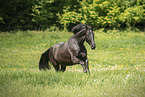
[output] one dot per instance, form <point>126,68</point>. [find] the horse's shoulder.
<point>60,43</point>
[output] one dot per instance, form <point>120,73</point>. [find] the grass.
<point>117,66</point>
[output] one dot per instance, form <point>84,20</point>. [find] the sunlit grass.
<point>117,66</point>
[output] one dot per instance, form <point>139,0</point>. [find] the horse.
<point>71,52</point>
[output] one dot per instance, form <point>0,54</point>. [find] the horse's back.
<point>58,44</point>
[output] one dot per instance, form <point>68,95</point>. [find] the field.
<point>117,66</point>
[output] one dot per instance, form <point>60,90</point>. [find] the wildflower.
<point>14,69</point>
<point>95,79</point>
<point>127,76</point>
<point>80,94</point>
<point>105,93</point>
<point>121,48</point>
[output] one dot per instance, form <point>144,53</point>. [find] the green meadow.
<point>117,66</point>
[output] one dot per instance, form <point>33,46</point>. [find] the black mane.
<point>79,27</point>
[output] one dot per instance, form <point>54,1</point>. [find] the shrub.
<point>106,13</point>
<point>132,15</point>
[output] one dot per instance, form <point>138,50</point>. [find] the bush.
<point>15,14</point>
<point>42,14</point>
<point>106,13</point>
<point>132,15</point>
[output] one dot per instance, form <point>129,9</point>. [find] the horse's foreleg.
<point>74,59</point>
<point>87,66</point>
<point>83,64</point>
<point>77,60</point>
<point>84,68</point>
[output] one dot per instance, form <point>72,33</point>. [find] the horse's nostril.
<point>93,47</point>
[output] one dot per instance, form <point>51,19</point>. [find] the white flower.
<point>127,75</point>
<point>95,79</point>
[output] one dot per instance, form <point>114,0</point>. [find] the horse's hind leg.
<point>63,68</point>
<point>56,67</point>
<point>54,63</point>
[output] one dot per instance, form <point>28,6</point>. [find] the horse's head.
<point>89,37</point>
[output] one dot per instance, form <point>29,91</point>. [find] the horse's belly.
<point>64,59</point>
<point>61,54</point>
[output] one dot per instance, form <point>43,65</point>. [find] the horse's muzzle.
<point>93,46</point>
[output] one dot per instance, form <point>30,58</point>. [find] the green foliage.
<point>45,12</point>
<point>15,14</point>
<point>70,17</point>
<point>108,13</point>
<point>42,14</point>
<point>1,20</point>
<point>132,15</point>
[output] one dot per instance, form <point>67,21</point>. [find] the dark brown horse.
<point>71,52</point>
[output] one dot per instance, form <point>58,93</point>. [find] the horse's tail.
<point>43,63</point>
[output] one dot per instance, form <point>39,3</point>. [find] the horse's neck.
<point>80,36</point>
<point>80,33</point>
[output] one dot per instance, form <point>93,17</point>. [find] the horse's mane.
<point>79,27</point>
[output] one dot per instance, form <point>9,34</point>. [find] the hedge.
<point>41,14</point>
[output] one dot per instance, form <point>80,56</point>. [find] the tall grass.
<point>117,66</point>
